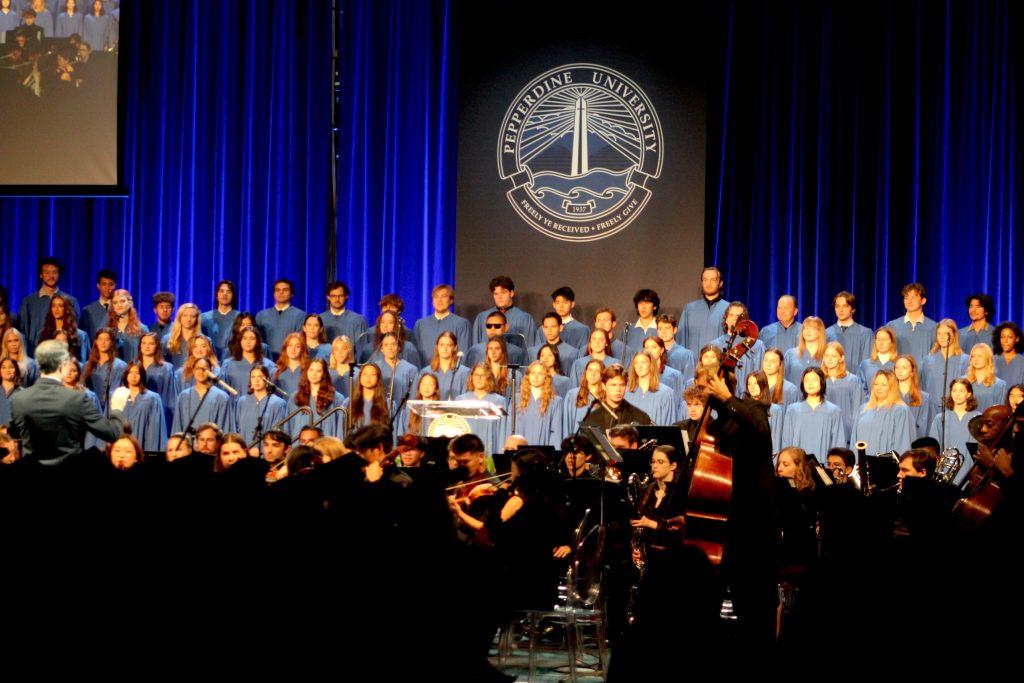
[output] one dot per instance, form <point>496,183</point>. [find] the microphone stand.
<point>454,370</point>
<point>512,393</point>
<point>945,388</point>
<point>106,387</point>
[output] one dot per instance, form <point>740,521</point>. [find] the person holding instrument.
<point>614,409</point>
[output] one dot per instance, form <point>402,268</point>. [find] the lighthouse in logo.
<point>581,148</point>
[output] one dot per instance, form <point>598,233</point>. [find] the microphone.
<point>275,387</point>
<point>222,384</point>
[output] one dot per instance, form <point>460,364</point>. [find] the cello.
<point>710,493</point>
<point>982,495</point>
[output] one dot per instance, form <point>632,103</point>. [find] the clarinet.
<point>638,547</point>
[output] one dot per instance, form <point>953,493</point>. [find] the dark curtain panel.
<point>862,146</point>
<point>227,162</point>
<point>396,169</point>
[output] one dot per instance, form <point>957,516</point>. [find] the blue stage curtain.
<point>862,146</point>
<point>227,162</point>
<point>396,170</point>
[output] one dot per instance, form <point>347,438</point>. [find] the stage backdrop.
<point>581,154</point>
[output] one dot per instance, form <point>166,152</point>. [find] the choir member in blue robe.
<point>808,353</point>
<point>604,319</point>
<point>481,388</point>
<point>815,424</point>
<point>843,388</point>
<point>338,320</point>
<point>784,334</point>
<point>315,337</point>
<point>496,326</point>
<point>10,17</point>
<point>258,410</point>
<point>185,328</point>
<point>506,380</point>
<point>667,375</point>
<point>96,26</point>
<point>551,333</point>
<point>574,333</point>
<point>549,356</point>
<point>202,348</point>
<point>752,359</point>
<point>538,410</point>
<point>163,313</point>
<point>316,392</point>
<point>281,319</point>
<point>124,320</point>
<point>503,291</point>
<point>426,331</point>
<point>292,364</point>
<point>35,306</point>
<point>160,375</point>
<point>342,364</point>
<point>701,320</point>
<point>884,423</point>
<point>597,349</point>
<point>783,392</point>
<point>368,345</point>
<point>94,316</point>
<point>578,401</point>
<point>12,345</point>
<point>203,403</point>
<point>646,302</point>
<point>239,366</point>
<point>757,389</point>
<point>242,321</point>
<point>10,382</point>
<point>855,339</point>
<point>44,19</point>
<point>144,410</point>
<point>989,390</point>
<point>397,375</point>
<point>936,372</point>
<point>368,403</point>
<point>644,390</point>
<point>446,366</point>
<point>981,310</point>
<point>61,323</point>
<point>922,409</point>
<point>883,353</point>
<point>104,371</point>
<point>677,356</point>
<point>409,422</point>
<point>1009,340</point>
<point>914,330</point>
<point>952,432</point>
<point>69,21</point>
<point>218,322</point>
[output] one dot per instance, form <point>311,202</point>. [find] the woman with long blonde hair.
<point>184,329</point>
<point>885,422</point>
<point>12,345</point>
<point>919,402</point>
<point>480,387</point>
<point>883,353</point>
<point>645,391</point>
<point>946,360</point>
<point>808,353</point>
<point>842,387</point>
<point>981,373</point>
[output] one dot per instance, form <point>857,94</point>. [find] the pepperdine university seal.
<point>580,146</point>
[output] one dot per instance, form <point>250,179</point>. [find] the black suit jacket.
<point>51,420</point>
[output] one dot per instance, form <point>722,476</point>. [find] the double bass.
<point>710,492</point>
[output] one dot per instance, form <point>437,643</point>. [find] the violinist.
<point>470,474</point>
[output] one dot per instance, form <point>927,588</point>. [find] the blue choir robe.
<point>989,396</point>
<point>782,338</point>
<point>567,353</point>
<point>635,337</point>
<point>9,20</point>
<point>32,316</point>
<point>1012,372</point>
<point>491,432</point>
<point>618,349</point>
<point>795,364</point>
<point>426,331</point>
<point>478,354</point>
<point>275,325</point>
<point>450,383</point>
<point>405,374</point>
<point>408,353</point>
<point>29,371</point>
<point>922,414</point>
<point>107,376</point>
<point>674,380</point>
<point>790,393</point>
<point>574,333</point>
<point>128,344</point>
<point>83,345</point>
<point>934,369</point>
<point>288,380</point>
<point>161,380</point>
<point>847,393</point>
<point>321,352</point>
<point>115,26</point>
<point>340,382</point>
<point>215,408</point>
<point>349,324</point>
<point>561,384</point>
<point>680,358</point>
<point>235,373</point>
<point>96,30</point>
<point>660,405</point>
<point>146,416</point>
<point>161,332</point>
<point>94,317</point>
<point>332,426</point>
<point>217,373</point>
<point>856,341</point>
<point>884,429</point>
<point>749,363</point>
<point>969,337</point>
<point>776,423</point>
<point>249,410</point>
<point>815,430</point>
<point>92,441</point>
<point>580,366</point>
<point>572,415</point>
<point>519,322</point>
<point>867,369</point>
<point>915,340</point>
<point>217,326</point>
<point>68,24</point>
<point>5,406</point>
<point>177,359</point>
<point>699,323</point>
<point>539,429</point>
<point>957,436</point>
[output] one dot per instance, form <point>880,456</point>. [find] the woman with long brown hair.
<point>538,409</point>
<point>316,392</point>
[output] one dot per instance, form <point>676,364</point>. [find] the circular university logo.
<point>580,147</point>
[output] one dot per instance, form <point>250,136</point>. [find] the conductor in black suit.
<point>50,419</point>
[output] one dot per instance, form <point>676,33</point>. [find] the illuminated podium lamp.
<point>452,418</point>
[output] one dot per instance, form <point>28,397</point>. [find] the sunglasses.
<point>494,326</point>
